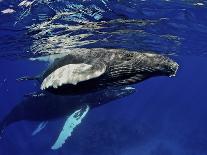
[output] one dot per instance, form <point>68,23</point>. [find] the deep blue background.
<point>166,116</point>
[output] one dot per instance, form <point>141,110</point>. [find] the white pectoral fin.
<point>41,126</point>
<point>73,74</point>
<point>71,123</point>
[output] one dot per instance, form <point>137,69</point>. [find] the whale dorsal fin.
<point>73,74</point>
<point>72,122</point>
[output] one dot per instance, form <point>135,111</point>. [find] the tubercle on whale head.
<point>160,64</point>
<point>169,67</point>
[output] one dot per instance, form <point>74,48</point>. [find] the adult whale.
<point>45,107</point>
<point>87,70</point>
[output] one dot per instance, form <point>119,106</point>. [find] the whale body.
<point>89,70</point>
<point>46,107</point>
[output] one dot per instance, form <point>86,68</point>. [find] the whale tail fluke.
<point>25,78</point>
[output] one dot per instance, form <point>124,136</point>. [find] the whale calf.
<point>45,107</point>
<point>89,70</point>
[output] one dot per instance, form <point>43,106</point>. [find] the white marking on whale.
<point>25,3</point>
<point>49,58</point>
<point>8,11</point>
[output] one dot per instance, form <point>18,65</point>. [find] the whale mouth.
<point>173,68</point>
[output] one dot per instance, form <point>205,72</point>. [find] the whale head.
<point>170,68</point>
<point>156,65</point>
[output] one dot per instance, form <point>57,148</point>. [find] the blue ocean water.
<point>166,116</point>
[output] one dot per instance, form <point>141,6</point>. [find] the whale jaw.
<point>174,69</point>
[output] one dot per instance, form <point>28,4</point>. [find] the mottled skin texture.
<point>122,68</point>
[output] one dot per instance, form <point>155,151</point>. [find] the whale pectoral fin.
<point>39,128</point>
<point>72,122</point>
<point>73,74</point>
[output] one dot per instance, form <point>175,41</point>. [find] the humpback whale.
<point>45,107</point>
<point>84,79</point>
<point>89,70</point>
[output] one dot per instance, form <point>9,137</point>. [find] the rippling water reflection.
<point>47,27</point>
